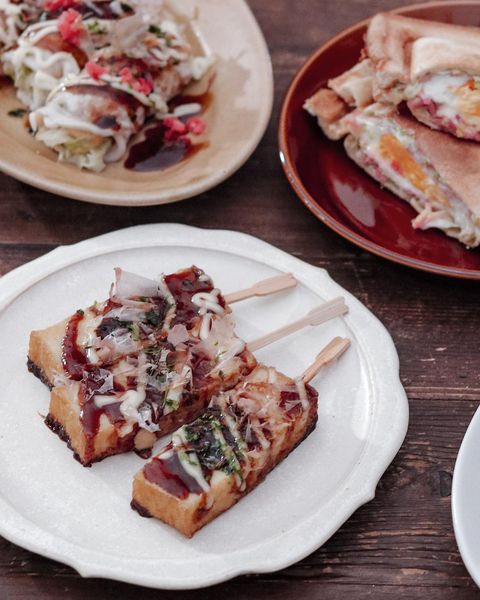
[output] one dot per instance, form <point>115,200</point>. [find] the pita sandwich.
<point>344,93</point>
<point>437,174</point>
<point>435,67</point>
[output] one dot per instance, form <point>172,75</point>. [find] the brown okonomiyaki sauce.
<point>91,414</point>
<point>5,80</point>
<point>183,286</point>
<point>73,359</point>
<point>170,475</point>
<point>155,153</point>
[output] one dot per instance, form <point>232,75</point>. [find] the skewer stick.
<point>263,288</point>
<point>331,352</point>
<point>321,314</point>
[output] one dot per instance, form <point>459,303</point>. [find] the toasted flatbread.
<point>456,161</point>
<point>329,109</point>
<point>431,55</point>
<point>391,38</point>
<point>421,166</point>
<point>355,85</point>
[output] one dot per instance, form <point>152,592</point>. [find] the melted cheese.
<point>455,98</point>
<point>441,88</point>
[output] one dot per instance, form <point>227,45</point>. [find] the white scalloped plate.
<point>242,93</point>
<point>50,504</point>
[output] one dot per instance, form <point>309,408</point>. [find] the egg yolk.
<point>469,99</point>
<point>402,161</point>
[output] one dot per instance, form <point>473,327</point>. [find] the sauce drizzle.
<point>156,154</point>
<point>73,359</point>
<point>171,476</point>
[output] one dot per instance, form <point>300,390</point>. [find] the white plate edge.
<point>472,569</point>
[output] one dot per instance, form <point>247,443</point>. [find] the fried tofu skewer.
<point>120,384</point>
<point>220,457</point>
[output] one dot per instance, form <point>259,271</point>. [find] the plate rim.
<point>390,435</point>
<point>296,182</point>
<point>473,570</point>
<point>152,198</point>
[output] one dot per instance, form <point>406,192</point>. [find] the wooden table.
<point>400,545</point>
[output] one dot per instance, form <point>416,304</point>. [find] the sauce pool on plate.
<point>156,152</point>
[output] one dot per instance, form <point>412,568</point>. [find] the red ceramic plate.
<point>342,195</point>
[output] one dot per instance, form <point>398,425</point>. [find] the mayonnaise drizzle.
<point>205,326</point>
<point>189,460</point>
<point>208,301</point>
<point>102,400</point>
<point>132,399</point>
<point>38,31</point>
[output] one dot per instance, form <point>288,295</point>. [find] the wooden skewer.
<point>321,314</point>
<point>331,352</point>
<point>263,288</point>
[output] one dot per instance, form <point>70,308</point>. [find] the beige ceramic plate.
<point>236,119</point>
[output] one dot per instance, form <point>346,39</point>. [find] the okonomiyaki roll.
<point>17,15</point>
<point>90,117</point>
<point>89,124</point>
<point>52,49</point>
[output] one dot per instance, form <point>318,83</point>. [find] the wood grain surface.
<point>400,545</point>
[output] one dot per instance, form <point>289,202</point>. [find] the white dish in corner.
<point>242,93</point>
<point>466,499</point>
<point>50,504</point>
